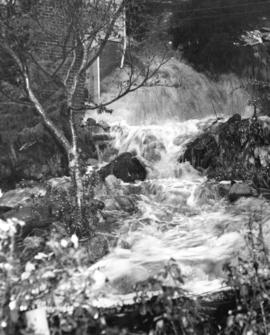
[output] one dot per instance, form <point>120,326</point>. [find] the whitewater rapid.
<point>180,216</point>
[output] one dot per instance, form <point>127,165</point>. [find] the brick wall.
<point>50,52</point>
<point>49,49</point>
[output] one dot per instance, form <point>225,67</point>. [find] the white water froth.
<point>178,217</point>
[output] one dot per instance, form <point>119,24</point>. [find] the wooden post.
<point>93,81</point>
<point>98,81</point>
<point>124,41</point>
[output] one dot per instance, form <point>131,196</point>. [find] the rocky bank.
<point>238,149</point>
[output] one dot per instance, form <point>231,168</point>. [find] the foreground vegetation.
<point>51,271</point>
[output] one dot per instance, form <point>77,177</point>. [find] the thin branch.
<point>71,66</point>
<point>129,88</point>
<point>46,120</point>
<point>15,103</point>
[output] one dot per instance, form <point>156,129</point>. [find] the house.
<point>111,57</point>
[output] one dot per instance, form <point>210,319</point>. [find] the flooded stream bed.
<point>180,216</point>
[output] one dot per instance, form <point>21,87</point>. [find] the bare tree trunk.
<point>70,149</point>
<point>75,174</point>
<point>74,166</point>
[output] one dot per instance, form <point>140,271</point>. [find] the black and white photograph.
<point>134,167</point>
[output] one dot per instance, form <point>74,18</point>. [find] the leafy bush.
<point>250,280</point>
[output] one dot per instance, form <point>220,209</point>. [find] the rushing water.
<point>180,215</point>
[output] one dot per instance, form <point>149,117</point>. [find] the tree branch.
<point>46,120</point>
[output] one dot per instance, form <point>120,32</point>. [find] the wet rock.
<point>90,122</point>
<point>110,204</point>
<point>3,210</point>
<point>153,148</point>
<point>22,214</point>
<point>102,137</point>
<point>34,218</point>
<point>99,247</point>
<point>27,205</point>
<point>20,197</point>
<point>104,125</point>
<point>239,190</point>
<point>110,217</point>
<point>61,184</point>
<point>112,183</point>
<point>92,162</point>
<point>125,203</point>
<point>237,149</point>
<point>224,188</point>
<point>97,204</point>
<point>125,167</point>
<point>202,152</point>
<point>94,125</point>
<point>207,193</point>
<point>234,119</point>
<point>262,154</point>
<point>120,203</point>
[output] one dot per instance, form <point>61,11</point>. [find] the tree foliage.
<point>73,35</point>
<point>208,32</point>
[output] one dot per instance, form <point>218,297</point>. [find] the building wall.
<point>49,48</point>
<point>110,58</point>
<point>50,52</point>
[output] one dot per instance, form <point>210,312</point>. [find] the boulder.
<point>20,197</point>
<point>239,190</point>
<point>125,167</point>
<point>120,203</point>
<point>61,184</point>
<point>237,149</point>
<point>97,204</point>
<point>34,218</point>
<point>223,188</point>
<point>125,203</point>
<point>110,205</point>
<point>152,148</point>
<point>112,183</point>
<point>202,152</point>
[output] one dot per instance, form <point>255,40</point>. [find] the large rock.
<point>35,218</point>
<point>61,184</point>
<point>152,148</point>
<point>239,190</point>
<point>202,152</point>
<point>238,149</point>
<point>125,167</point>
<point>223,188</point>
<point>27,205</point>
<point>20,197</point>
<point>125,203</point>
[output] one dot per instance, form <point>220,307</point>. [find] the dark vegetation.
<point>209,34</point>
<point>234,150</point>
<point>210,37</point>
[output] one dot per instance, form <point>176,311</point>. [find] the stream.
<point>180,216</point>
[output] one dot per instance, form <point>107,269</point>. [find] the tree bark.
<point>74,168</point>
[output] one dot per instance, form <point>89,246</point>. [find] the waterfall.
<point>183,94</point>
<point>180,214</point>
